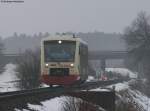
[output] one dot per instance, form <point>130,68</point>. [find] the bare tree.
<point>1,46</point>
<point>91,71</point>
<point>1,51</point>
<point>137,37</point>
<point>29,69</point>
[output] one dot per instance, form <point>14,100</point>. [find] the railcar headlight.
<point>71,65</point>
<point>59,41</point>
<point>46,65</point>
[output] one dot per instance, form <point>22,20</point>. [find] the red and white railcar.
<point>64,60</point>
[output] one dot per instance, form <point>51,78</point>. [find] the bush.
<point>28,69</point>
<point>77,104</point>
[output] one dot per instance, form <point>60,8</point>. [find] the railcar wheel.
<point>50,86</point>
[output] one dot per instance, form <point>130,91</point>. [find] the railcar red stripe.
<point>59,80</point>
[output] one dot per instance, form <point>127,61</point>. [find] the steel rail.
<point>30,91</point>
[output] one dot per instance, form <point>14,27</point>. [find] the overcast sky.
<point>52,16</point>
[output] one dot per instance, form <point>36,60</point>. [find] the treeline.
<point>18,43</point>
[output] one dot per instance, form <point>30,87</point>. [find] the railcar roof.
<point>63,37</point>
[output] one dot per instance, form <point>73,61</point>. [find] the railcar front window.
<point>56,52</point>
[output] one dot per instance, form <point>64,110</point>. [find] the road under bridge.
<point>103,56</point>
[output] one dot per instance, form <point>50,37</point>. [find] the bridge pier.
<point>103,64</point>
<point>100,73</point>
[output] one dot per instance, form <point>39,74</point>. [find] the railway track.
<point>85,86</point>
<point>19,99</point>
<point>29,92</point>
<point>96,84</point>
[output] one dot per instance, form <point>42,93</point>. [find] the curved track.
<point>19,99</point>
<point>84,86</point>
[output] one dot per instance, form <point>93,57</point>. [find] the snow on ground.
<point>8,74</point>
<point>7,77</point>
<point>100,89</point>
<point>119,86</point>
<point>90,78</point>
<point>54,104</point>
<point>123,72</point>
<point>141,101</point>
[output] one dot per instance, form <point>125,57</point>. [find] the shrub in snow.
<point>76,104</point>
<point>141,85</point>
<point>131,100</point>
<point>28,69</point>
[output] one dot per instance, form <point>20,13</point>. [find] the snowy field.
<point>8,76</point>
<point>123,72</point>
<point>48,105</point>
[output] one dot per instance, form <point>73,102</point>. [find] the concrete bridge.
<point>102,56</point>
<point>7,58</point>
<point>98,55</point>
